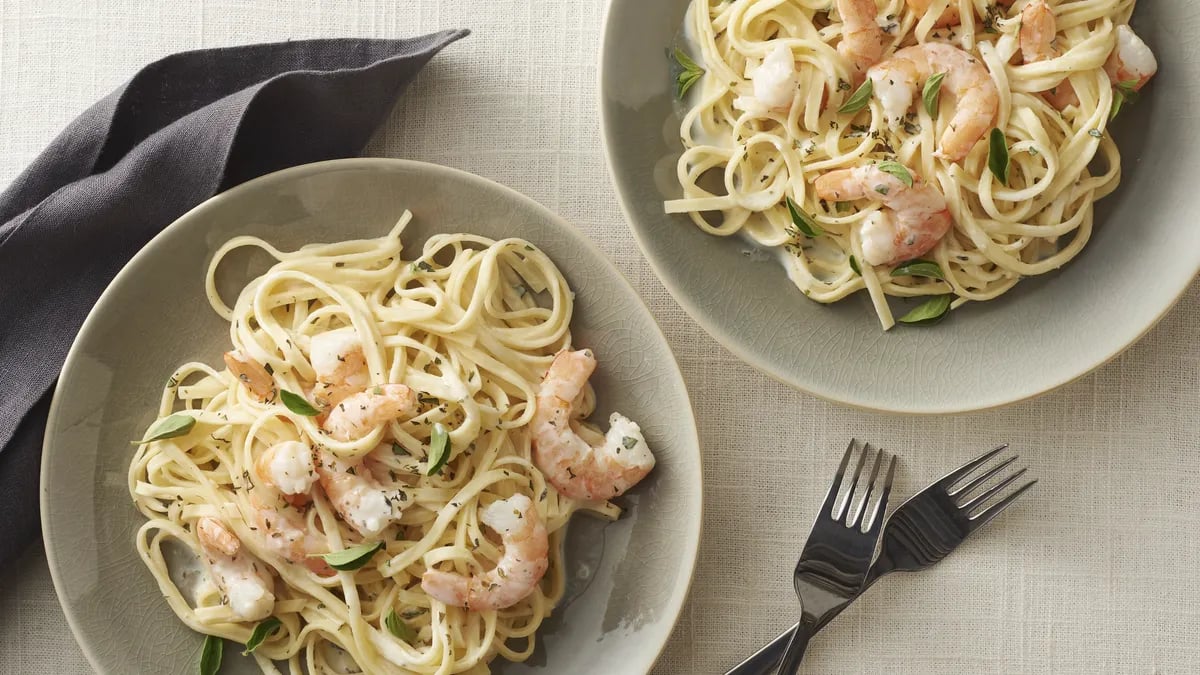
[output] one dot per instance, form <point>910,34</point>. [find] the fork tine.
<point>831,497</point>
<point>985,516</point>
<point>862,458</point>
<point>988,475</point>
<point>959,473</point>
<point>854,520</point>
<point>992,491</point>
<point>881,505</point>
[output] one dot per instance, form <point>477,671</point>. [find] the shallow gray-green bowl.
<point>1047,332</point>
<point>627,580</point>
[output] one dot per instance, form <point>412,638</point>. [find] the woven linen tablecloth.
<point>1093,573</point>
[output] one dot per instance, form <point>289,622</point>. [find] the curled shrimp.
<point>245,582</point>
<point>357,415</point>
<point>517,573</point>
<point>341,368</point>
<point>950,17</point>
<point>863,41</point>
<point>288,467</point>
<point>282,531</point>
<point>1039,28</point>
<point>967,82</point>
<point>1131,63</point>
<point>361,501</point>
<point>916,221</point>
<point>253,375</point>
<point>573,466</point>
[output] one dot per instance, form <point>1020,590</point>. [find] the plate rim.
<point>761,362</point>
<point>678,598</point>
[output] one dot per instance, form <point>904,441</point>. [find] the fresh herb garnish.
<point>929,311</point>
<point>172,426</point>
<point>422,266</point>
<point>1095,133</point>
<point>998,160</point>
<point>297,404</point>
<point>1124,93</point>
<point>439,448</point>
<point>854,266</point>
<point>396,626</point>
<point>919,268</point>
<point>882,189</point>
<point>898,170</point>
<point>803,222</point>
<point>690,74</point>
<point>210,655</point>
<point>932,93</point>
<point>398,449</point>
<point>262,631</point>
<point>351,558</point>
<point>628,442</point>
<point>858,100</point>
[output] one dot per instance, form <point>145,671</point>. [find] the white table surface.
<point>1092,574</point>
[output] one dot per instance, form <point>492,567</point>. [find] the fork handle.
<point>794,652</point>
<point>764,661</point>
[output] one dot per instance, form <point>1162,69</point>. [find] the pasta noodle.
<point>743,160</point>
<point>471,324</point>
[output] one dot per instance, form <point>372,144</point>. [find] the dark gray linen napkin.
<point>183,129</point>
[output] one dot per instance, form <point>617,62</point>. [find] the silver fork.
<point>921,532</point>
<point>837,556</point>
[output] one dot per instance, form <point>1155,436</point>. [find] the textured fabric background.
<point>1092,574</point>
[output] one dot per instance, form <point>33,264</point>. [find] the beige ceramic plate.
<point>1049,331</point>
<point>627,579</point>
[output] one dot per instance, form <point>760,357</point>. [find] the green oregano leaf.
<point>351,558</point>
<point>898,170</point>
<point>919,268</point>
<point>932,93</point>
<point>262,631</point>
<point>297,404</point>
<point>998,160</point>
<point>439,448</point>
<point>210,655</point>
<point>396,626</point>
<point>803,222</point>
<point>171,426</point>
<point>859,99</point>
<point>929,311</point>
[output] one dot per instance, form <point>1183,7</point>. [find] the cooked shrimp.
<point>1131,64</point>
<point>774,82</point>
<point>282,531</point>
<point>517,573</point>
<point>245,581</point>
<point>253,375</point>
<point>967,82</point>
<point>356,415</point>
<point>1039,28</point>
<point>917,220</point>
<point>337,357</point>
<point>288,467</point>
<point>362,502</point>
<point>863,41</point>
<point>950,17</point>
<point>574,467</point>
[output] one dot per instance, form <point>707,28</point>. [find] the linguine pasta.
<point>743,162</point>
<point>471,325</point>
